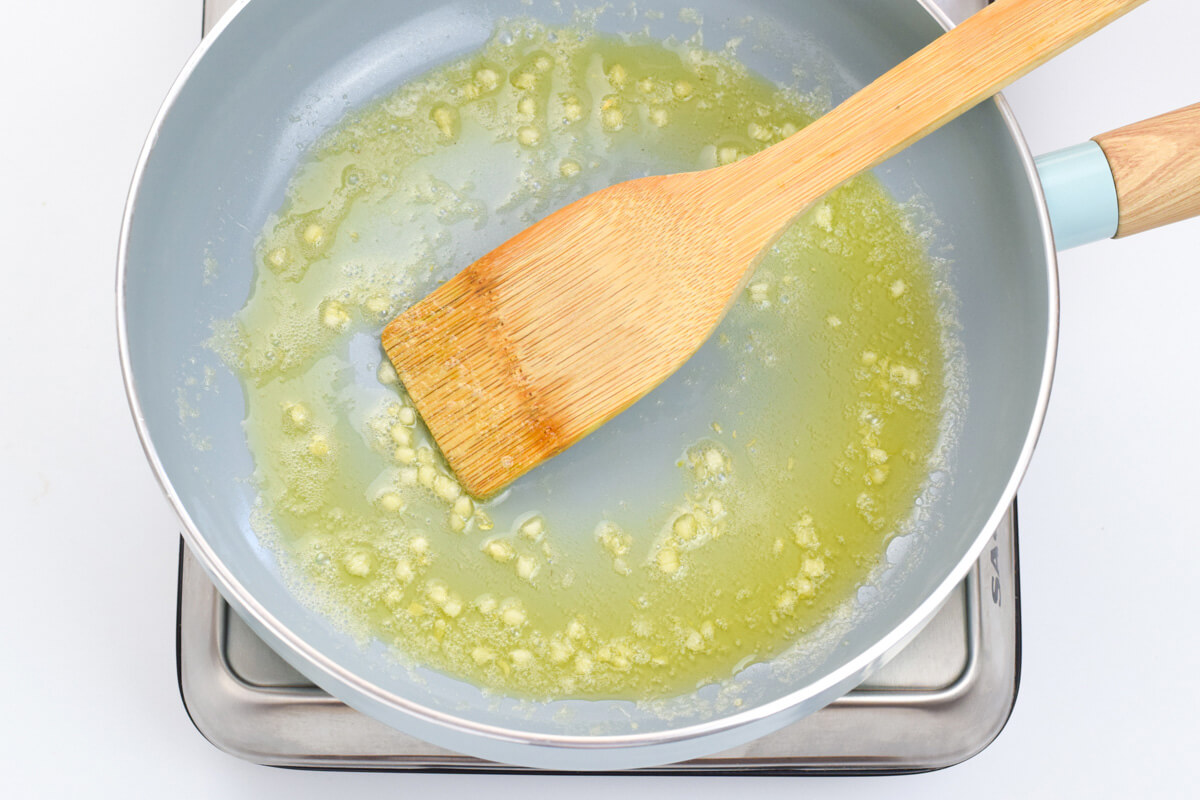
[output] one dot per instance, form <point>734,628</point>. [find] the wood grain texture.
<point>568,323</point>
<point>1156,167</point>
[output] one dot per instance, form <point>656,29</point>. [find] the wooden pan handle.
<point>1156,167</point>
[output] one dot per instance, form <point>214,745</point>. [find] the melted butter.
<point>708,527</point>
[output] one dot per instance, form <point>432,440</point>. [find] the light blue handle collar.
<point>1080,194</point>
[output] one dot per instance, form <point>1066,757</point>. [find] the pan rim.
<point>812,695</point>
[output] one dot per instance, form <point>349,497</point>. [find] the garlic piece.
<point>391,502</point>
<point>499,550</point>
<point>358,564</point>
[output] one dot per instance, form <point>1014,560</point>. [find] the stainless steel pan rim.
<point>762,718</point>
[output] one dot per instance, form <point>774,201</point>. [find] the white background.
<point>88,700</point>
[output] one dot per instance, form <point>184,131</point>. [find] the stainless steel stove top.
<point>943,699</point>
<point>940,701</point>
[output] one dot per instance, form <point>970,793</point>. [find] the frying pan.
<point>278,73</point>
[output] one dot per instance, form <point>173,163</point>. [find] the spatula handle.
<point>951,75</point>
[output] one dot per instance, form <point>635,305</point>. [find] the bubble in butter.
<point>711,525</point>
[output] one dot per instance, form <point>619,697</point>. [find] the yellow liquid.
<point>711,525</point>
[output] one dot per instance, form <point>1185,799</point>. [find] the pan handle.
<point>1125,181</point>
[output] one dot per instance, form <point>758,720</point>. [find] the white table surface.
<point>89,704</point>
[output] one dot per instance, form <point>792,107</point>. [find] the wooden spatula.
<point>568,323</point>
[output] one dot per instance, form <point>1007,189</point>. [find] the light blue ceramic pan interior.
<point>281,72</point>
